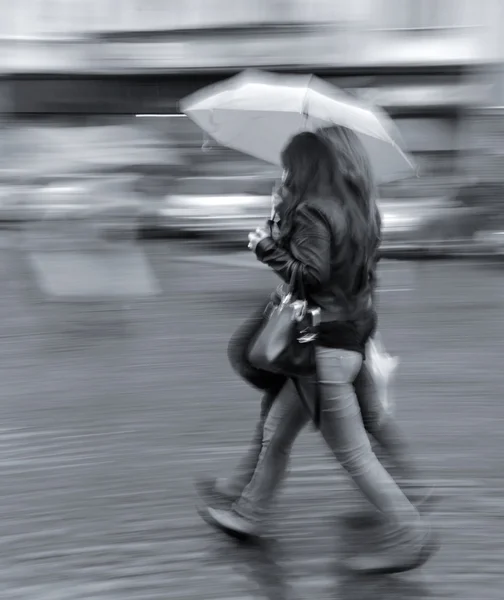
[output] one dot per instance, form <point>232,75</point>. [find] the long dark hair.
<point>352,160</point>
<point>313,168</point>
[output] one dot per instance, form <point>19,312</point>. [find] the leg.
<point>285,420</point>
<point>381,425</point>
<point>385,430</point>
<point>286,417</point>
<point>233,486</point>
<point>343,430</point>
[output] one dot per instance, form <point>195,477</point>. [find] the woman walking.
<point>329,235</point>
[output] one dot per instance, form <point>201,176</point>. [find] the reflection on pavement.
<point>264,565</point>
<point>380,588</point>
<point>261,563</point>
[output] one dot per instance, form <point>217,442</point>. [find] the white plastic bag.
<point>382,367</point>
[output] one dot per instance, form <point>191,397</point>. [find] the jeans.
<point>343,430</point>
<point>377,422</point>
<point>234,485</point>
<point>383,428</point>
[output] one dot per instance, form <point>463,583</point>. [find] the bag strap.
<point>293,279</point>
<point>296,286</point>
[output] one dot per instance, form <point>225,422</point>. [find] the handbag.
<point>286,342</point>
<point>238,353</point>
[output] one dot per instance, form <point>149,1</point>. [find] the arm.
<point>310,250</point>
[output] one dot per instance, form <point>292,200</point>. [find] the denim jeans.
<point>343,430</point>
<point>234,485</point>
<point>383,428</point>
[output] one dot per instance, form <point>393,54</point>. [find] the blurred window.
<point>428,135</point>
<point>432,141</point>
<point>224,185</point>
<point>441,162</point>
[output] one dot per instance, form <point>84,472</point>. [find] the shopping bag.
<point>382,367</point>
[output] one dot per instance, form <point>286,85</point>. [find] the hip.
<point>336,366</point>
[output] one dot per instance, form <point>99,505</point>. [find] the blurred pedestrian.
<point>355,167</point>
<point>330,235</point>
<point>352,161</point>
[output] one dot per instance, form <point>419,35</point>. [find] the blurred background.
<point>123,235</point>
<point>90,90</point>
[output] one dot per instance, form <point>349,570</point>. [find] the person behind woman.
<point>329,236</point>
<point>356,170</point>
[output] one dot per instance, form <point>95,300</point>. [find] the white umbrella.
<point>257,113</point>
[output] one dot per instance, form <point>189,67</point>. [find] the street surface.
<point>109,413</point>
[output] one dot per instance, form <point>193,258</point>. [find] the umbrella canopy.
<point>257,113</point>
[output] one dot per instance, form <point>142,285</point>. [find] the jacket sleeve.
<point>309,250</point>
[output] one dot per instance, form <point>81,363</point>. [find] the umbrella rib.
<point>304,110</point>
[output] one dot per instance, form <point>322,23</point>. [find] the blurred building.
<point>433,64</point>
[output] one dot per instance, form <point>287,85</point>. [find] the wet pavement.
<point>110,411</point>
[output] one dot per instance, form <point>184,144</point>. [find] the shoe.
<point>396,560</point>
<point>230,522</point>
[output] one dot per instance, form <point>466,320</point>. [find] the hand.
<point>257,236</point>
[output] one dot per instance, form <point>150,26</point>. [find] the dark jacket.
<point>335,273</point>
